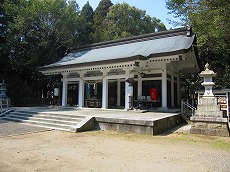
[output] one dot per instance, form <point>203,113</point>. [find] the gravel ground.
<point>111,151</point>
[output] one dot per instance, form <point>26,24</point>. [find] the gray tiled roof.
<point>137,47</point>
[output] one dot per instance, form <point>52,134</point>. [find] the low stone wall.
<point>137,126</point>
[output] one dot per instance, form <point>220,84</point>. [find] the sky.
<point>154,8</point>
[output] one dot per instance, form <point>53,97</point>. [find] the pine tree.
<point>87,12</point>
<point>87,20</point>
<point>99,17</point>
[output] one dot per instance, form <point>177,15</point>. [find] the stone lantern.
<point>207,74</point>
<point>208,118</point>
<point>3,90</point>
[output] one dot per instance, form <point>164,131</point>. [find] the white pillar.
<point>128,91</point>
<point>172,91</point>
<point>104,91</point>
<point>164,89</point>
<point>118,92</point>
<point>95,89</point>
<point>178,91</point>
<point>139,86</point>
<point>64,90</point>
<point>81,92</point>
<point>126,96</point>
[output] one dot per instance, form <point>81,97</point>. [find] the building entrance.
<point>72,95</point>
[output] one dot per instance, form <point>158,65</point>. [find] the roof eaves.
<point>127,59</point>
<point>144,37</point>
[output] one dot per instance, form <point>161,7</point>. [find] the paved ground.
<point>8,128</point>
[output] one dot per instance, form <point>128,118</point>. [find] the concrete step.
<point>41,124</point>
<point>52,121</point>
<point>44,119</point>
<point>70,118</point>
<point>47,114</point>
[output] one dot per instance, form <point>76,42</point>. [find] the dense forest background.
<point>34,33</point>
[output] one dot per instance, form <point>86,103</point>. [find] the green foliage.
<point>159,26</point>
<point>87,23</point>
<point>87,13</point>
<point>73,5</point>
<point>210,21</point>
<point>4,19</point>
<point>41,31</point>
<point>123,20</point>
<point>98,19</point>
<point>34,33</point>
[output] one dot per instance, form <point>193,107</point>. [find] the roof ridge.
<point>137,38</point>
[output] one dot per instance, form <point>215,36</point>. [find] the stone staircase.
<point>55,121</point>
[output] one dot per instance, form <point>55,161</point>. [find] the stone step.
<point>65,122</point>
<point>48,116</point>
<point>55,126</point>
<point>44,119</point>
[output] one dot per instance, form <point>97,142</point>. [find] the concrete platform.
<point>137,121</point>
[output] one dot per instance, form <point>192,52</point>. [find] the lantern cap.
<point>207,72</point>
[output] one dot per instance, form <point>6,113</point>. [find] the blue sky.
<point>154,8</point>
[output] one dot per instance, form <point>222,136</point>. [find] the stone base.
<point>210,132</point>
<point>209,119</point>
<point>152,127</point>
<point>210,128</point>
<point>208,107</point>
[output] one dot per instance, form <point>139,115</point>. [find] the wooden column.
<point>81,91</point>
<point>64,89</point>
<point>164,88</point>
<point>105,91</point>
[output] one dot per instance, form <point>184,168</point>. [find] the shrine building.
<point>118,73</point>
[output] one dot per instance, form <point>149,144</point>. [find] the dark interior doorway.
<point>72,95</point>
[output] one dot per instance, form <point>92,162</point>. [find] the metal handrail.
<point>183,104</point>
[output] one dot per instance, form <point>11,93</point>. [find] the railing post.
<point>7,104</point>
<point>186,106</point>
<point>182,106</point>
<point>1,104</point>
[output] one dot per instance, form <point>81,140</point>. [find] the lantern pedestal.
<point>208,118</point>
<point>3,90</point>
<point>4,100</point>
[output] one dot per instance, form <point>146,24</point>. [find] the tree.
<point>87,22</point>
<point>123,20</point>
<point>99,17</point>
<point>73,5</point>
<point>210,21</point>
<point>40,33</point>
<point>4,62</point>
<point>159,26</point>
<point>87,12</point>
